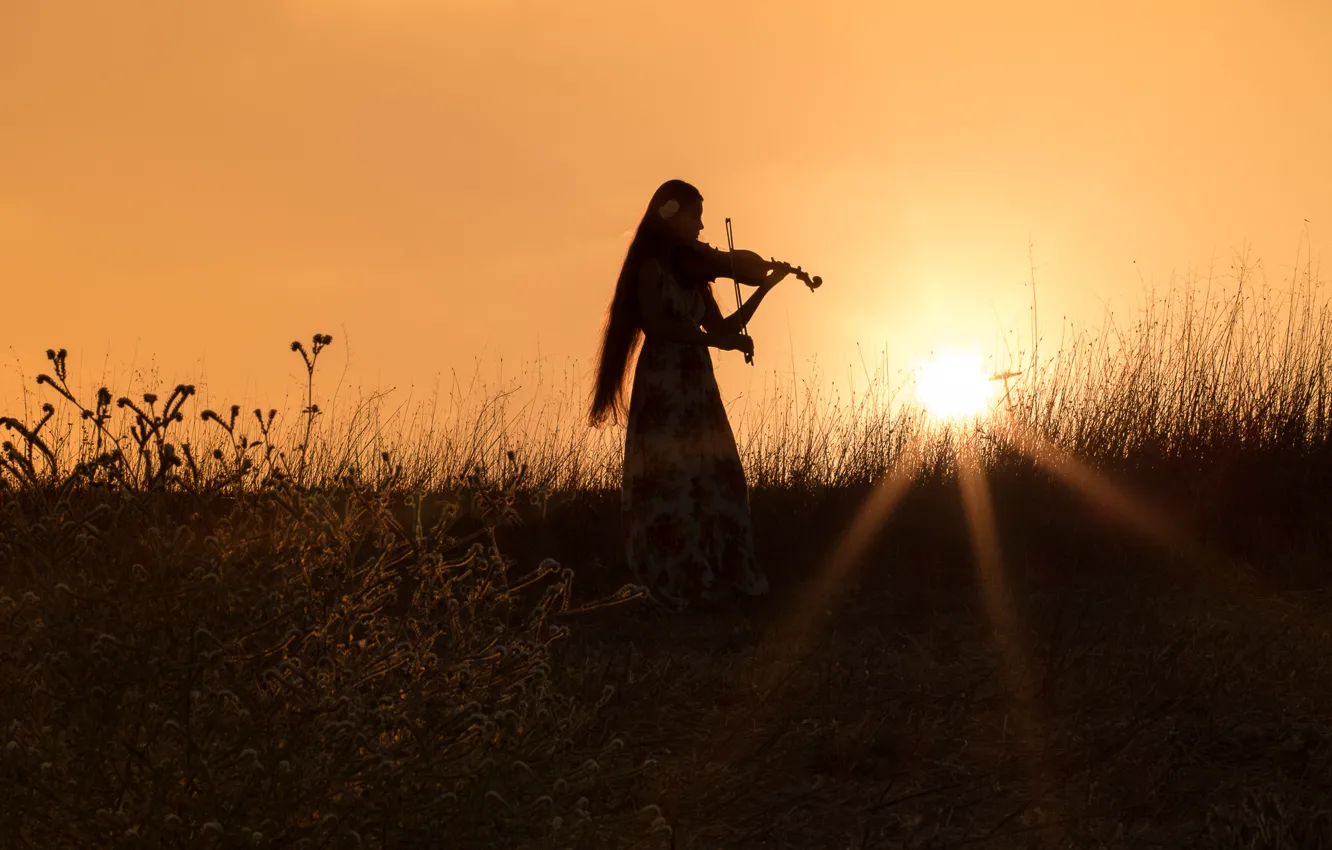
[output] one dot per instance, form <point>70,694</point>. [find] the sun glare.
<point>953,385</point>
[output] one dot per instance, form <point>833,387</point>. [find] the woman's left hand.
<point>776,272</point>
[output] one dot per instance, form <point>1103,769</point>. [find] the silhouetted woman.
<point>685,512</point>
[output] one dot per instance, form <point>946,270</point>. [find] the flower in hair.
<point>669,208</point>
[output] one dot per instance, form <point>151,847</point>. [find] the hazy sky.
<point>200,183</point>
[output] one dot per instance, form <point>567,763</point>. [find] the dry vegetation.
<point>251,629</point>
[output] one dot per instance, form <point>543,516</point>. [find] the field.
<point>1099,617</point>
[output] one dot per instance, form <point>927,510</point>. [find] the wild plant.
<point>212,652</point>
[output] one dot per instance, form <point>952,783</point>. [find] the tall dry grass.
<point>1217,364</point>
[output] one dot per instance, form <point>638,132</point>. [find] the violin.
<point>704,262</point>
<point>804,277</point>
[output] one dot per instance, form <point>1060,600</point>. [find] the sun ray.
<point>979,510</point>
<point>1014,657</point>
<point>792,640</point>
<point>795,632</point>
<point>1148,520</point>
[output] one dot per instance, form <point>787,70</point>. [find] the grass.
<point>1099,618</point>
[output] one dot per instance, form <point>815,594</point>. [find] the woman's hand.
<point>776,272</point>
<point>738,342</point>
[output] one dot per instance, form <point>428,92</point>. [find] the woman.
<point>685,508</point>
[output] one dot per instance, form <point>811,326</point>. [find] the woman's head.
<point>674,216</point>
<point>676,209</point>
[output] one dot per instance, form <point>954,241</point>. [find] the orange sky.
<point>201,183</point>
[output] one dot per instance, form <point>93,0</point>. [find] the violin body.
<point>700,262</point>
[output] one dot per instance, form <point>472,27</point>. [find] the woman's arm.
<point>737,321</point>
<point>659,324</point>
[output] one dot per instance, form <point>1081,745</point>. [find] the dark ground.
<point>1138,698</point>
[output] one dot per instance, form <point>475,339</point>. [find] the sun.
<point>953,385</point>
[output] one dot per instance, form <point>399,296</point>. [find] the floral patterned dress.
<point>685,506</point>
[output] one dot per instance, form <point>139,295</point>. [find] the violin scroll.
<point>812,281</point>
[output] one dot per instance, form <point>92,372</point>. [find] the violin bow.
<point>730,248</point>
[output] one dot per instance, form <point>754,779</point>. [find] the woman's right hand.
<point>739,342</point>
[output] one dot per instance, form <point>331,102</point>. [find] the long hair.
<point>624,322</point>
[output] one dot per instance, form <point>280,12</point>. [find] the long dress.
<point>685,506</point>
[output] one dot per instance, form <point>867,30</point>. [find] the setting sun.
<point>952,385</point>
